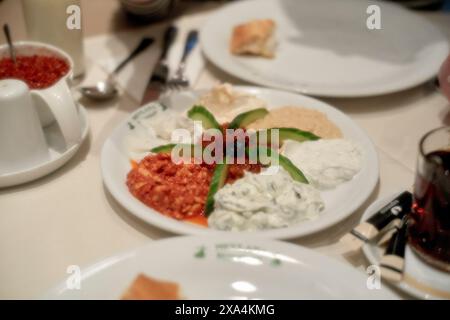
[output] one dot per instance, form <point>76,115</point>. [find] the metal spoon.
<point>105,90</point>
<point>12,52</point>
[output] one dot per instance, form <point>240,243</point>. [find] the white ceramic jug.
<point>22,141</point>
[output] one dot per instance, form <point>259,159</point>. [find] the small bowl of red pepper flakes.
<point>37,64</point>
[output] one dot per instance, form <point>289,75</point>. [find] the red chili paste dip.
<point>38,71</point>
<point>177,190</point>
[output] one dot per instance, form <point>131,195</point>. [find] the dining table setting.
<point>116,177</point>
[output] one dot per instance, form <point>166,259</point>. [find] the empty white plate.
<point>326,49</point>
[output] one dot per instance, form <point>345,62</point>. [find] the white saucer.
<point>420,280</point>
<point>58,155</point>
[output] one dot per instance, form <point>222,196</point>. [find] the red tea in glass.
<point>429,225</point>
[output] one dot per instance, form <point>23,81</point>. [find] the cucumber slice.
<point>244,119</point>
<point>284,162</point>
<point>200,113</point>
<point>167,148</point>
<point>217,182</point>
<point>295,172</point>
<point>289,134</point>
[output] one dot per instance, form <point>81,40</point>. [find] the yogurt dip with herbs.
<point>260,202</point>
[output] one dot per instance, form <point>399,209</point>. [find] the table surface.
<point>68,218</point>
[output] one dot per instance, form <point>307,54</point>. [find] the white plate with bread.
<point>218,268</point>
<point>324,47</point>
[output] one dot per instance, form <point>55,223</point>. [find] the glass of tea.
<point>429,225</point>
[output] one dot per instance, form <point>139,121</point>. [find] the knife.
<point>387,217</point>
<point>392,263</point>
<point>161,71</point>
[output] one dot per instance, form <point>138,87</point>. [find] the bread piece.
<point>146,288</point>
<point>256,37</point>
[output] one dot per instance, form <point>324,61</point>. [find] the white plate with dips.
<point>340,202</point>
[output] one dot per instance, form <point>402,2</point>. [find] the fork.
<point>180,80</point>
